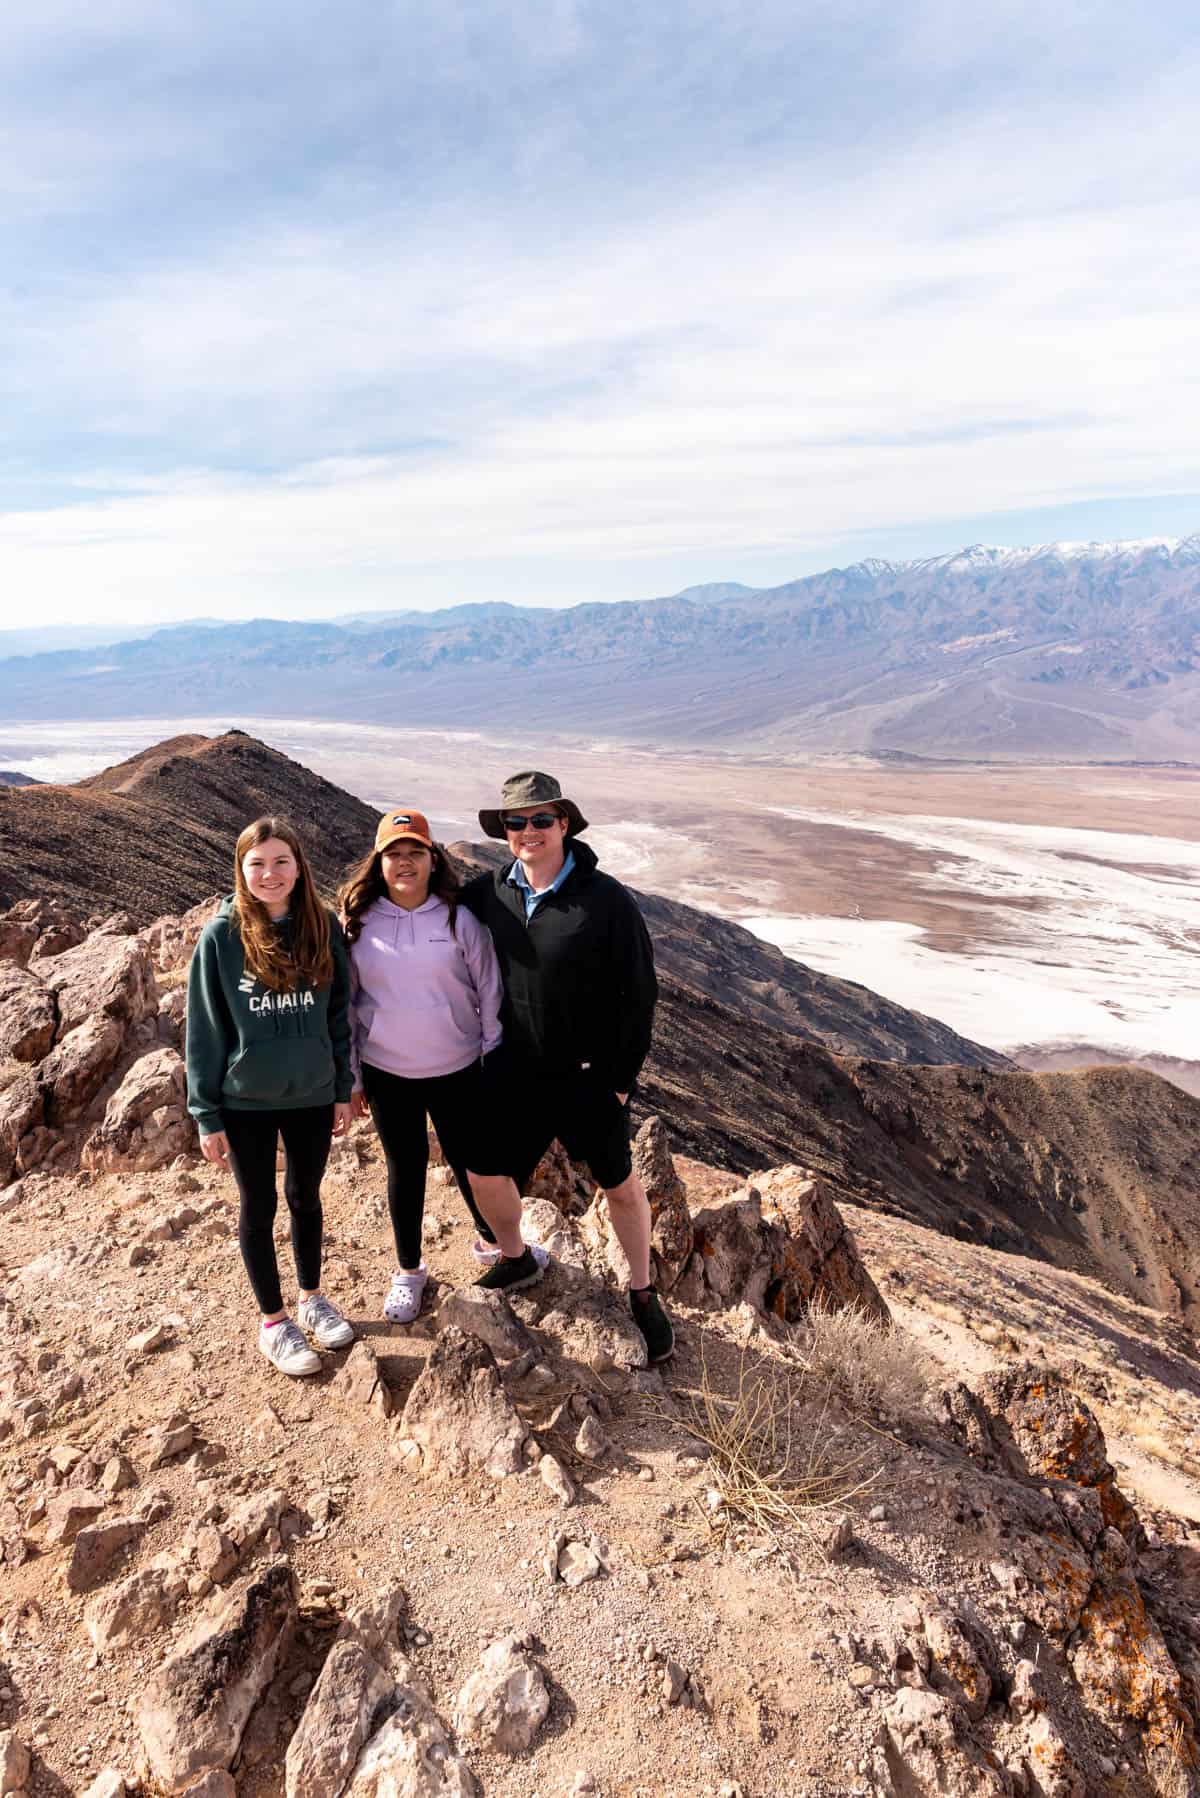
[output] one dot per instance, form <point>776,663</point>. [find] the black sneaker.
<point>510,1276</point>
<point>653,1322</point>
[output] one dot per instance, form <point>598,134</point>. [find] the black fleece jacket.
<point>579,981</point>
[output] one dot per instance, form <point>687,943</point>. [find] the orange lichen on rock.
<point>1125,1670</point>
<point>1058,1437</point>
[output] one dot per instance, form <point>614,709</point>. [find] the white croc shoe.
<point>403,1302</point>
<point>285,1348</point>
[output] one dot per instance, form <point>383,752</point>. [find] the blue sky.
<point>308,309</point>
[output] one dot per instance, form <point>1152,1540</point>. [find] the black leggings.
<point>252,1138</point>
<point>399,1109</point>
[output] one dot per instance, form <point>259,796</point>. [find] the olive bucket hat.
<point>532,788</point>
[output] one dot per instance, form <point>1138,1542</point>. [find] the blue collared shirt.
<point>517,877</point>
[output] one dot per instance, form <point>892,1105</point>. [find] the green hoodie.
<point>251,1049</point>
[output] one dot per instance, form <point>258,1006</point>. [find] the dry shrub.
<point>1171,1454</point>
<point>995,1336</point>
<point>1155,1429</point>
<point>872,1367</point>
<point>775,1462</point>
<point>1177,1778</point>
<point>945,1312</point>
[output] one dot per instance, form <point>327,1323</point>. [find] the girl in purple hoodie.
<point>425,1002</point>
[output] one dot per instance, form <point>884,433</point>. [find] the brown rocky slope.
<point>494,1553</point>
<point>156,833</point>
<point>1096,1171</point>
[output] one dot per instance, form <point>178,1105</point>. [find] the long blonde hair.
<point>280,963</point>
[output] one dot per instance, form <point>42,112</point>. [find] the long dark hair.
<point>281,962</point>
<point>364,884</point>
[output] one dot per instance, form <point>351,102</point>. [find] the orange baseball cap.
<point>402,822</point>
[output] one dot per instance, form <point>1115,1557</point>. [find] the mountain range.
<point>1071,651</point>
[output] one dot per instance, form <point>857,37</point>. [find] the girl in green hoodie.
<point>268,1056</point>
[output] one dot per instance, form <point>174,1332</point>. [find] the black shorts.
<point>526,1111</point>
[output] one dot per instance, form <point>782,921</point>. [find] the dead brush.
<point>864,1362</point>
<point>1178,1778</point>
<point>774,1460</point>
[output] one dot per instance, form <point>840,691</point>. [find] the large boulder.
<point>22,1107</point>
<point>78,1066</point>
<point>823,1259</point>
<point>1051,1433</point>
<point>133,1608</point>
<point>170,940</point>
<point>459,1414</point>
<point>18,934</point>
<point>193,1711</point>
<point>505,1700</point>
<point>781,1262</point>
<point>670,1219</point>
<point>146,1122</point>
<point>109,976</point>
<point>369,1729</point>
<point>42,927</point>
<point>28,1018</point>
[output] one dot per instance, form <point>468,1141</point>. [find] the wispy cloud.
<point>496,302</point>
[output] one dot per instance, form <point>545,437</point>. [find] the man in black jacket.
<point>579,996</point>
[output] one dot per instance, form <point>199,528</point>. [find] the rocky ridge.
<point>1095,1170</point>
<point>199,791</point>
<point>493,1553</point>
<point>867,1534</point>
<point>961,1599</point>
<point>160,827</point>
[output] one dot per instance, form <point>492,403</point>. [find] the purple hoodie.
<point>424,1000</point>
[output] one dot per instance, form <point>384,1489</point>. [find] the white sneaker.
<point>488,1253</point>
<point>284,1346</point>
<point>322,1319</point>
<point>403,1301</point>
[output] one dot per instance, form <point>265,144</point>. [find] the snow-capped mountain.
<point>1065,649</point>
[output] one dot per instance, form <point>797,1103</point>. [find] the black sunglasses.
<point>540,821</point>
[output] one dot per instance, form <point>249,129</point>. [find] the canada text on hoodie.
<point>251,1049</point>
